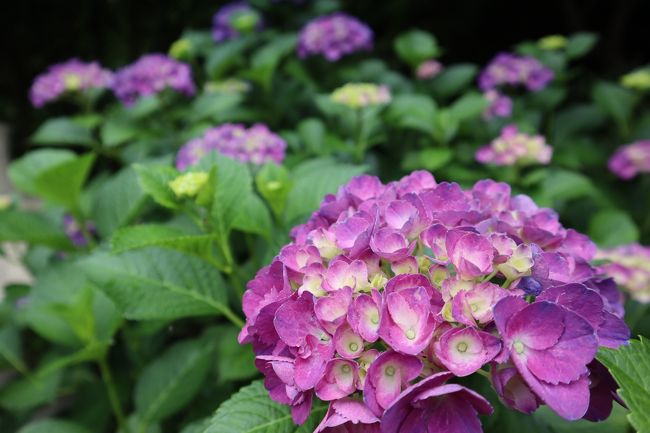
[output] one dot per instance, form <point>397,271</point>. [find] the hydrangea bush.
<point>270,181</point>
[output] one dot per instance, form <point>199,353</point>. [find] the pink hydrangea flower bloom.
<point>629,265</point>
<point>515,148</point>
<point>391,291</point>
<point>334,36</point>
<point>630,160</point>
<point>428,69</point>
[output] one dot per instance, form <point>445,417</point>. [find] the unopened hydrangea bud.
<point>638,80</point>
<point>552,42</point>
<point>359,95</point>
<point>189,184</point>
<point>181,49</point>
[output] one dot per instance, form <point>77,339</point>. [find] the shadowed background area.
<point>38,33</point>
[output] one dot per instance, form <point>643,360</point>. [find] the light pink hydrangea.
<point>513,147</point>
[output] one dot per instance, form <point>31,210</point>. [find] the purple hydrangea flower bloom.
<point>500,105</point>
<point>348,416</point>
<point>629,265</point>
<point>76,234</point>
<point>433,406</point>
<point>71,76</point>
<point>257,145</point>
<point>334,36</point>
<point>390,290</point>
<point>151,74</point>
<point>515,148</point>
<point>512,70</point>
<point>630,160</point>
<point>234,19</point>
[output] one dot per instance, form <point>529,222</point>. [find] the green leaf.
<point>251,410</point>
<point>53,426</point>
<point>223,56</point>
<point>612,227</point>
<point>615,101</point>
<point>274,184</point>
<point>30,392</point>
<point>580,44</point>
<point>158,235</point>
<point>154,180</point>
<point>213,106</point>
<point>468,106</point>
<point>312,133</point>
<point>117,201</point>
<point>10,347</point>
<point>118,130</point>
<point>158,284</point>
<point>62,131</point>
<point>16,225</point>
<point>412,111</point>
<point>234,361</point>
<point>253,216</point>
<point>54,175</point>
<point>265,60</point>
<point>566,185</point>
<point>454,79</point>
<point>429,159</point>
<point>171,381</point>
<point>416,46</point>
<point>630,366</point>
<point>313,180</point>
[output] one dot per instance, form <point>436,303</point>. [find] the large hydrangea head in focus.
<point>390,292</point>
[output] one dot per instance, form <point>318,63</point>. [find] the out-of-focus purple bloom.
<point>630,160</point>
<point>256,145</point>
<point>334,36</point>
<point>629,265</point>
<point>388,291</point>
<point>433,406</point>
<point>513,70</point>
<point>151,74</point>
<point>515,148</point>
<point>500,105</point>
<point>70,76</point>
<point>234,19</point>
<point>78,235</point>
<point>428,69</point>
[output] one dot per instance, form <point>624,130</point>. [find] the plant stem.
<point>228,313</point>
<point>112,394</point>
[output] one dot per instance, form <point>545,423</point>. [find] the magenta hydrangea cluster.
<point>513,147</point>
<point>390,292</point>
<point>257,145</point>
<point>500,105</point>
<point>334,36</point>
<point>151,74</point>
<point>233,19</point>
<point>513,70</point>
<point>70,76</point>
<point>79,235</point>
<point>630,160</point>
<point>629,265</point>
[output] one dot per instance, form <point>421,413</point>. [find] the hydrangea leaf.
<point>53,426</point>
<point>454,79</point>
<point>252,410</point>
<point>413,111</point>
<point>154,181</point>
<point>154,283</point>
<point>416,46</point>
<point>62,131</point>
<point>630,366</point>
<point>34,228</point>
<point>612,227</point>
<point>173,378</point>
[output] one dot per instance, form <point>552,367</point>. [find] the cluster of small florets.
<point>513,70</point>
<point>151,74</point>
<point>513,147</point>
<point>80,235</point>
<point>629,265</point>
<point>257,145</point>
<point>428,69</point>
<point>390,291</point>
<point>630,160</point>
<point>67,77</point>
<point>359,95</point>
<point>510,70</point>
<point>234,19</point>
<point>334,36</point>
